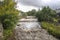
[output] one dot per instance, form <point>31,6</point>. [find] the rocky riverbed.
<point>31,30</point>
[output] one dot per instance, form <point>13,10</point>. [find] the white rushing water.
<point>28,24</point>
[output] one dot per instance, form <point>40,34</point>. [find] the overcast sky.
<point>26,5</point>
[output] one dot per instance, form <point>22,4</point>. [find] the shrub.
<point>8,17</point>
<point>8,14</point>
<point>46,14</point>
<point>51,28</point>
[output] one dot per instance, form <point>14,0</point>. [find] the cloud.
<point>41,3</point>
<point>27,5</point>
<point>25,8</point>
<point>36,3</point>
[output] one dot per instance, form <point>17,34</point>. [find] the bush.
<point>8,14</point>
<point>46,14</point>
<point>8,17</point>
<point>8,34</point>
<point>51,28</point>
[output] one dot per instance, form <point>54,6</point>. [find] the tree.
<point>32,12</point>
<point>8,14</point>
<point>46,14</point>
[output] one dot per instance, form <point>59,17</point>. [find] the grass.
<point>51,28</point>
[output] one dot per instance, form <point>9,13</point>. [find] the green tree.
<point>32,12</point>
<point>8,13</point>
<point>46,14</point>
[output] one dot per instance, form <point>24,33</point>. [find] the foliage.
<point>8,34</point>
<point>8,17</point>
<point>52,28</point>
<point>24,15</point>
<point>31,13</point>
<point>46,14</point>
<point>8,14</point>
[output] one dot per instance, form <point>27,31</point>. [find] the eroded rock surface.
<point>38,34</point>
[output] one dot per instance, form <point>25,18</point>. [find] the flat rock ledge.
<point>38,34</point>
